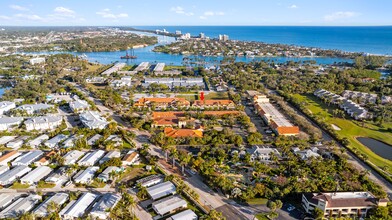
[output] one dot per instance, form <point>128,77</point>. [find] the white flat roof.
<point>78,208</point>
<point>58,198</point>
<point>105,203</point>
<point>72,156</point>
<point>275,115</point>
<point>8,198</point>
<point>37,174</point>
<point>185,215</point>
<point>162,189</point>
<point>168,204</point>
<point>20,206</point>
<point>91,157</point>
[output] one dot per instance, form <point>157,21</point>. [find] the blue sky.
<point>199,12</point>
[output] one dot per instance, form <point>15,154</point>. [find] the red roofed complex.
<point>276,120</point>
<point>182,133</point>
<point>162,103</point>
<point>226,104</point>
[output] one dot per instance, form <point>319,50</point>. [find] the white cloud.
<point>3,17</point>
<point>340,15</point>
<point>293,6</point>
<point>106,13</point>
<point>19,8</point>
<point>29,17</point>
<point>178,10</point>
<point>63,10</point>
<point>209,13</point>
<point>181,10</point>
<point>212,13</point>
<point>203,17</point>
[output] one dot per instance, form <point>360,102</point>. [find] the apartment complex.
<point>275,119</point>
<point>342,204</point>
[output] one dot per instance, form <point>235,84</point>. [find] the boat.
<point>127,56</point>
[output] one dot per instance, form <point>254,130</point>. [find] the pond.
<point>381,149</point>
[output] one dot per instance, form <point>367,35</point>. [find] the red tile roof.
<point>176,133</point>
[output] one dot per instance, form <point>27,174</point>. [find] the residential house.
<point>5,106</point>
<point>101,209</point>
<point>169,205</point>
<point>45,159</point>
<point>79,105</point>
<point>5,139</point>
<point>94,139</point>
<point>17,143</point>
<point>9,156</point>
<point>36,175</point>
<point>93,120</point>
<point>20,206</point>
<point>85,176</point>
<point>91,158</point>
<point>31,109</point>
<point>7,123</point>
<point>105,175</point>
<point>306,154</point>
<point>72,156</point>
<point>161,190</point>
<point>55,141</point>
<point>77,208</point>
<point>184,215</point>
<point>37,141</point>
<point>150,180</point>
<point>10,176</point>
<point>43,123</point>
<point>59,199</point>
<point>109,155</point>
<point>262,153</point>
<point>130,158</point>
<point>27,158</point>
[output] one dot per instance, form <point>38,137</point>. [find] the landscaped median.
<point>322,114</point>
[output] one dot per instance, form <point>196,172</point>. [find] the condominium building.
<point>43,123</point>
<point>275,119</point>
<point>342,204</point>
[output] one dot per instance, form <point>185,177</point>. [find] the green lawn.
<point>352,129</point>
<point>217,95</point>
<point>257,201</point>
<point>17,185</point>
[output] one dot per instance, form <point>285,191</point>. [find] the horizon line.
<point>212,25</point>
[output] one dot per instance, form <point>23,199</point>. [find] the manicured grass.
<point>352,129</point>
<point>168,67</point>
<point>257,201</point>
<point>190,97</point>
<point>43,184</point>
<point>217,95</point>
<point>17,185</point>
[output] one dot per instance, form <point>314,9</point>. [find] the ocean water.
<point>373,40</point>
